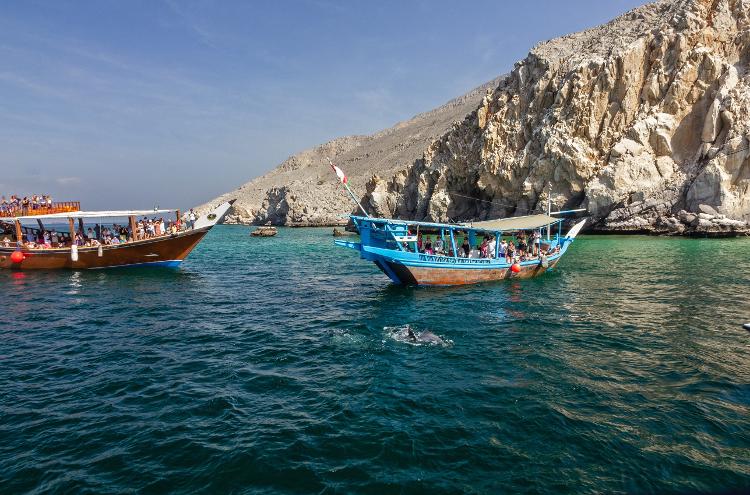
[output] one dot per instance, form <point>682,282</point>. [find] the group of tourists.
<point>521,247</point>
<point>98,235</point>
<point>16,204</point>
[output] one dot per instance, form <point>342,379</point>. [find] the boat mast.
<point>549,205</point>
<point>345,181</point>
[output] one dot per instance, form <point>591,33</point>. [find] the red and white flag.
<point>339,173</point>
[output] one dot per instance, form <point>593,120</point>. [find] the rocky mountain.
<point>643,121</point>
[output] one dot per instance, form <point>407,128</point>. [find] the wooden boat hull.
<point>407,268</point>
<point>166,251</point>
<point>415,275</point>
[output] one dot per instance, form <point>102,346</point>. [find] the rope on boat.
<point>737,151</point>
<point>507,205</point>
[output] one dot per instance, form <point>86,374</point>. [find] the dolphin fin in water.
<point>406,334</point>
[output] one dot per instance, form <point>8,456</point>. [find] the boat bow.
<point>214,216</point>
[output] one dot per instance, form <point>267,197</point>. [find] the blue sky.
<point>132,104</point>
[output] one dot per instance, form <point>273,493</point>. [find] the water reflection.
<point>260,358</point>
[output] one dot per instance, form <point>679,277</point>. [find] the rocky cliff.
<point>644,121</point>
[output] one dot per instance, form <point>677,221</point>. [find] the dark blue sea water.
<point>276,366</point>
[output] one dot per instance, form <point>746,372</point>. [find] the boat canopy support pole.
<point>72,229</point>
<point>131,220</point>
<point>19,233</point>
<point>453,244</point>
<point>393,235</point>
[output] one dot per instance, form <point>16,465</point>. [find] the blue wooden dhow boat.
<point>433,256</point>
<point>397,247</point>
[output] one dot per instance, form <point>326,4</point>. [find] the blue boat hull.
<point>408,268</point>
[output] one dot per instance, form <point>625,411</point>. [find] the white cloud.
<point>68,181</point>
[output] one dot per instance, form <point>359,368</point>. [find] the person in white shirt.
<point>191,219</point>
<point>536,239</point>
<point>491,247</point>
<point>439,245</point>
<point>503,249</point>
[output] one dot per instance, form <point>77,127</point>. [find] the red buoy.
<point>17,257</point>
<point>515,268</point>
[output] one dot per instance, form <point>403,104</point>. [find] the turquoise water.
<point>276,366</point>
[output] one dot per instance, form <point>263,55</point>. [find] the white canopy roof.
<point>92,214</point>
<point>527,222</point>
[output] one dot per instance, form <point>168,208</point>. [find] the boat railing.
<point>58,207</point>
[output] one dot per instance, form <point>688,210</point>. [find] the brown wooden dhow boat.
<point>167,250</point>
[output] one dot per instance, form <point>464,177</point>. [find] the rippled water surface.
<point>279,365</point>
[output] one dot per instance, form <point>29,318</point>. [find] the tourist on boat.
<point>16,205</point>
<point>522,246</point>
<point>466,248</point>
<point>510,253</point>
<point>536,240</point>
<point>491,247</point>
<point>483,248</point>
<point>191,219</point>
<point>6,242</point>
<point>502,249</point>
<point>439,247</point>
<point>428,247</point>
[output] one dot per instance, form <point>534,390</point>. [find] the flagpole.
<point>344,181</point>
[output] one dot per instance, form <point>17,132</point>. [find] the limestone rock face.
<point>635,120</point>
<point>642,121</point>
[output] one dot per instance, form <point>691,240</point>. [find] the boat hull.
<point>167,251</point>
<point>416,275</point>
